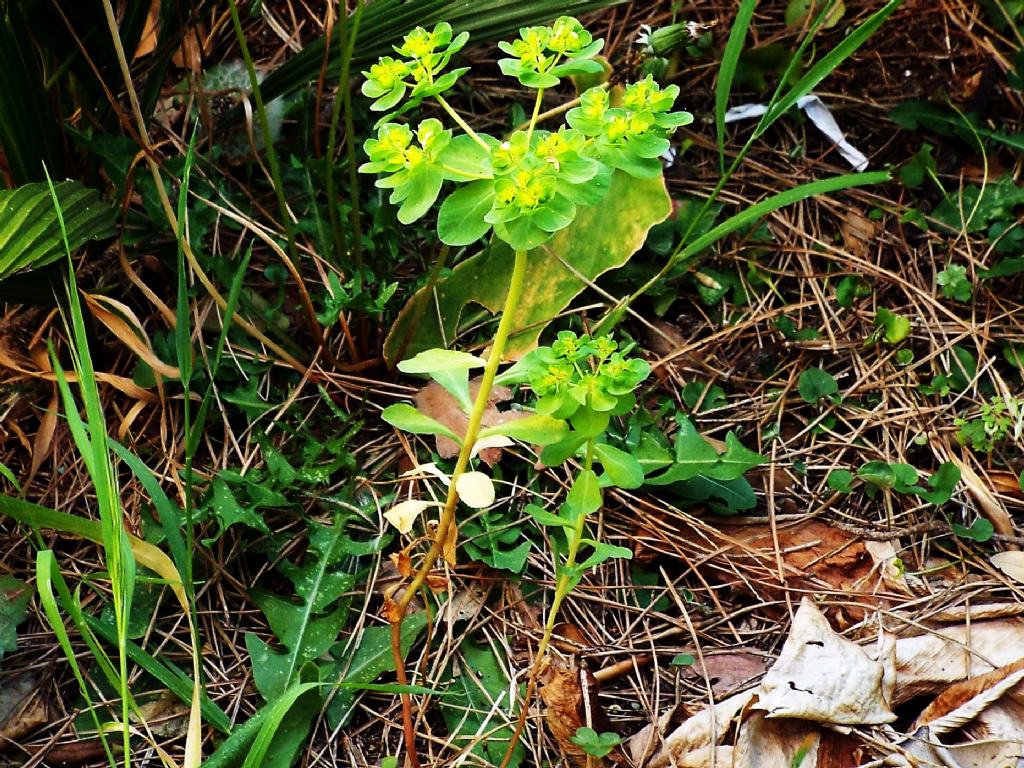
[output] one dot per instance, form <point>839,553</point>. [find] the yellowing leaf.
<point>404,514</point>
<point>601,238</point>
<point>475,489</point>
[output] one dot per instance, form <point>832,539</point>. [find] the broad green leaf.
<point>546,518</point>
<point>370,659</point>
<point>30,234</point>
<point>595,744</point>
<point>840,480</point>
<point>460,220</point>
<point>816,384</point>
<point>942,484</point>
<point>476,707</point>
<point>584,498</point>
<point>403,416</point>
<point>602,237</point>
<point>431,360</point>
<point>735,461</point>
<point>536,429</point>
<point>305,629</point>
<point>981,530</point>
<point>693,456</point>
<point>621,468</point>
<point>899,477</point>
<point>895,328</point>
<point>14,599</point>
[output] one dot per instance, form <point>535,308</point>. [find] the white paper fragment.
<point>820,115</point>
<point>475,489</point>
<point>823,677</point>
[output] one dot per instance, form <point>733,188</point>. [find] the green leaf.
<point>306,629</point>
<point>898,476</point>
<point>14,599</point>
<point>431,360</point>
<point>683,660</point>
<point>895,327</point>
<point>476,707</point>
<point>840,480</point>
<point>621,469</point>
<point>735,461</point>
<point>536,429</point>
<point>851,288</point>
<point>600,238</point>
<point>981,530</point>
<point>370,659</point>
<point>584,497</point>
<point>693,456</point>
<point>816,384</point>
<point>420,193</point>
<point>30,233</point>
<point>403,416</point>
<point>595,744</point>
<point>546,518</point>
<point>942,484</point>
<point>603,551</point>
<point>460,220</point>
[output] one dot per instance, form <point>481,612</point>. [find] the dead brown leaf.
<point>569,693</point>
<point>23,708</point>
<point>728,671</point>
<point>150,32</point>
<point>858,232</point>
<point>435,401</point>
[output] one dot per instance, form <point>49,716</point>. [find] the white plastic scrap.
<point>817,113</point>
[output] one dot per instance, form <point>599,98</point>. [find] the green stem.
<point>533,117</point>
<point>563,586</point>
<point>501,336</point>
<point>462,123</point>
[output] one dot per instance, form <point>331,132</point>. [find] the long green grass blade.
<point>47,573</point>
<point>727,70</point>
<point>781,200</point>
<point>826,65</point>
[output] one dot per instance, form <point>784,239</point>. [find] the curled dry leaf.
<point>930,662</point>
<point>1010,563</point>
<point>435,401</point>
<point>569,693</point>
<point>696,738</point>
<point>858,232</point>
<point>859,692</point>
<point>889,565</point>
<point>989,505</point>
<point>475,489</point>
<point>404,514</point>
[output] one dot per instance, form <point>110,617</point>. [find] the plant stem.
<point>563,586</point>
<point>462,123</point>
<point>444,525</point>
<point>533,117</point>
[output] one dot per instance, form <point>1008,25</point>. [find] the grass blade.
<point>727,70</point>
<point>826,65</point>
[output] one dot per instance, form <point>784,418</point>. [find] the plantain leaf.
<point>601,238</point>
<point>30,235</point>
